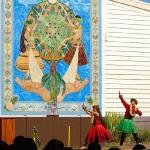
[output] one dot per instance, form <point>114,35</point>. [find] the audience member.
<point>22,143</point>
<point>29,144</point>
<point>3,145</point>
<point>19,142</point>
<point>11,147</point>
<point>54,145</point>
<point>139,147</point>
<point>114,148</point>
<point>94,146</point>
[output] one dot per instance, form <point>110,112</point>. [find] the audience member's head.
<point>139,147</point>
<point>11,147</point>
<point>18,142</point>
<point>94,146</point>
<point>29,144</point>
<point>3,145</point>
<point>24,143</point>
<point>114,148</point>
<point>54,145</point>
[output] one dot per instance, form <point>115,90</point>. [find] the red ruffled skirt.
<point>97,132</point>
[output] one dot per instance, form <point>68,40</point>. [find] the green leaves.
<point>54,83</point>
<point>14,99</point>
<point>38,46</point>
<point>52,31</point>
<point>66,47</point>
<point>29,21</point>
<point>111,120</point>
<point>36,12</point>
<point>89,100</point>
<point>36,136</point>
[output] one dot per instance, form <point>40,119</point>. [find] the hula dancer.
<point>98,131</point>
<point>127,125</point>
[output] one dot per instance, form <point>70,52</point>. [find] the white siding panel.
<point>129,67</point>
<point>127,21</point>
<point>121,109</point>
<point>126,57</point>
<point>130,40</point>
<point>128,30</point>
<point>126,35</point>
<point>120,105</point>
<point>125,8</point>
<point>113,100</point>
<point>134,87</point>
<point>128,62</point>
<point>129,26</point>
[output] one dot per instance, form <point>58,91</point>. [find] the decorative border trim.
<point>7,50</point>
<point>95,50</point>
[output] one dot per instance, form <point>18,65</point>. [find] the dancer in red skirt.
<point>98,130</point>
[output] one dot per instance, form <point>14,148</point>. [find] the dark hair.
<point>114,148</point>
<point>54,145</point>
<point>100,114</point>
<point>138,147</point>
<point>94,146</point>
<point>24,143</point>
<point>11,147</point>
<point>29,144</point>
<point>3,145</point>
<point>133,99</point>
<point>68,148</point>
<point>18,142</point>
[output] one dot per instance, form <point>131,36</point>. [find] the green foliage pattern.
<point>54,83</point>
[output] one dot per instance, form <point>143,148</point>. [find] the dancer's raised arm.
<point>89,112</point>
<point>125,104</point>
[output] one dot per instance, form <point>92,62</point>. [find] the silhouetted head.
<point>24,143</point>
<point>54,145</point>
<point>29,144</point>
<point>114,148</point>
<point>11,147</point>
<point>94,146</point>
<point>18,142</point>
<point>139,147</point>
<point>3,145</point>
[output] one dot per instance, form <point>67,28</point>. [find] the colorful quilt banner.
<point>49,56</point>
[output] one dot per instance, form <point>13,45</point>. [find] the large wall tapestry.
<point>50,56</point>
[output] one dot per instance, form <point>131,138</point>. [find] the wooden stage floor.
<point>125,147</point>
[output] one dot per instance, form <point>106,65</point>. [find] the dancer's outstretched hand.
<point>83,106</point>
<point>120,94</point>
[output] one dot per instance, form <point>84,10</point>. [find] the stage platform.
<point>51,127</point>
<point>125,147</point>
<point>57,127</point>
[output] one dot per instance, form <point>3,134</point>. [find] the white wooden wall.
<point>126,56</point>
